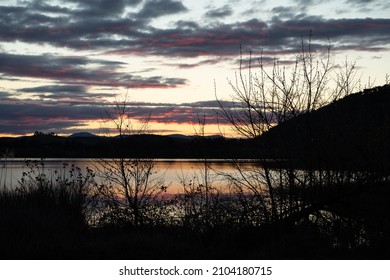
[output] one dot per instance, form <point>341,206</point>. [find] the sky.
<point>64,63</point>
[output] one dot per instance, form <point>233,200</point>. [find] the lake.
<point>175,172</point>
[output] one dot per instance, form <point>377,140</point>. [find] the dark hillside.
<point>352,133</point>
<point>135,146</point>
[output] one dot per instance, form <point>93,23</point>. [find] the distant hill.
<point>190,137</point>
<point>87,145</point>
<point>180,136</point>
<point>82,134</point>
<point>353,132</point>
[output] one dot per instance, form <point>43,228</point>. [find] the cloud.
<point>361,2</point>
<point>277,36</point>
<point>158,8</point>
<point>26,116</point>
<point>183,24</point>
<point>184,113</point>
<point>5,97</point>
<point>366,7</point>
<point>353,29</point>
<point>78,71</point>
<point>43,6</point>
<point>131,34</point>
<point>210,61</point>
<point>56,88</point>
<point>72,30</point>
<point>286,12</point>
<point>66,94</point>
<point>104,8</point>
<point>305,3</point>
<point>222,12</point>
<point>224,39</point>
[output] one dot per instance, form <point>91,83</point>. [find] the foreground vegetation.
<point>64,216</point>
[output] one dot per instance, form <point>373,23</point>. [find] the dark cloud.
<point>40,110</point>
<point>366,6</point>
<point>361,2</point>
<point>69,94</point>
<point>55,88</point>
<point>72,30</point>
<point>282,12</point>
<point>224,39</point>
<point>222,12</point>
<point>26,116</point>
<point>158,8</point>
<point>209,104</point>
<point>5,97</point>
<point>184,113</point>
<point>23,118</point>
<point>132,35</point>
<point>103,8</point>
<point>44,6</point>
<point>77,71</point>
<point>336,29</point>
<point>278,36</point>
<point>43,66</point>
<point>187,113</point>
<point>199,63</point>
<point>187,25</point>
<point>305,3</point>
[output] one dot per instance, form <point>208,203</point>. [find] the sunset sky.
<point>63,62</point>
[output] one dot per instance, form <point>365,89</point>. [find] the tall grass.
<point>43,204</point>
<point>58,213</point>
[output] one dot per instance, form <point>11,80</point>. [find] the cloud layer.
<point>106,26</point>
<point>71,110</point>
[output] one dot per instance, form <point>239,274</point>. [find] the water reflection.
<point>175,172</point>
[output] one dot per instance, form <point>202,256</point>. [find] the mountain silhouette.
<point>86,145</point>
<point>82,134</point>
<point>352,133</point>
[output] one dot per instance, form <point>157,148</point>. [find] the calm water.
<point>174,172</point>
